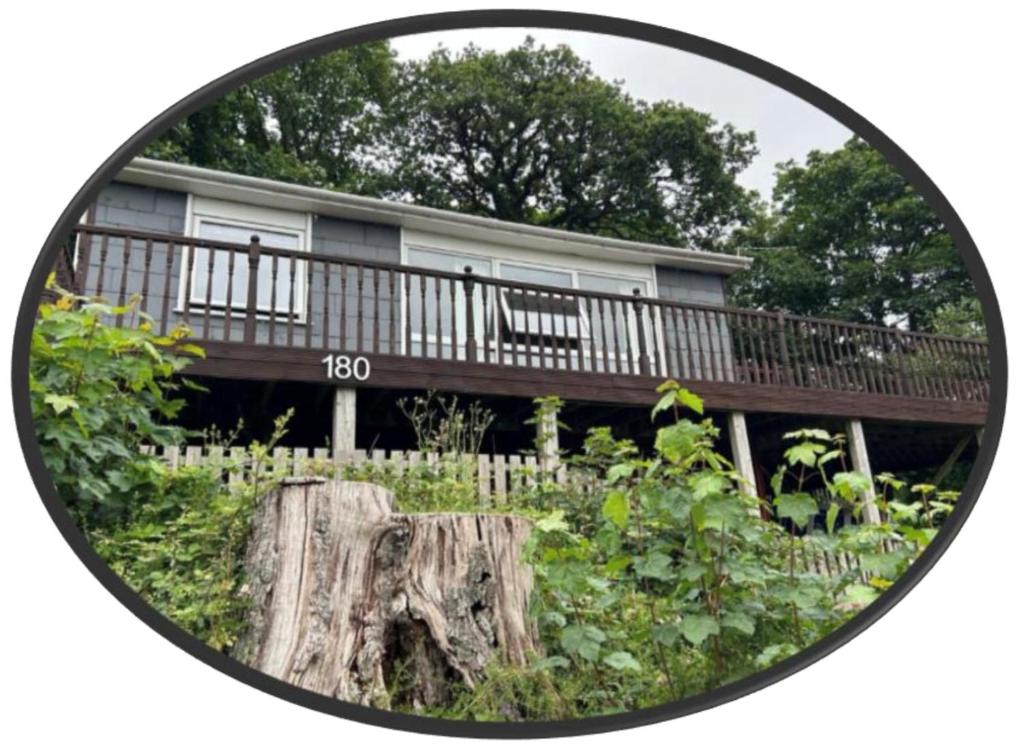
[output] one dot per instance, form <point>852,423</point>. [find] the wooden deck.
<point>272,314</point>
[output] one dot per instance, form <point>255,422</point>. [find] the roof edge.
<point>268,192</point>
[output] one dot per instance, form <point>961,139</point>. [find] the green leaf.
<point>584,640</point>
<point>622,660</point>
<point>739,621</point>
<point>616,508</point>
<point>696,628</point>
<point>690,400</point>
<point>886,564</point>
<point>678,441</point>
<point>860,595</point>
<point>654,566</point>
<point>805,453</point>
<point>666,386</point>
<point>799,507</point>
<point>851,486</point>
<point>553,522</point>
<point>664,403</point>
<point>707,483</point>
<point>775,652</point>
<point>820,434</point>
<point>618,563</point>
<point>620,471</point>
<point>60,403</point>
<point>830,517</point>
<point>666,634</point>
<point>193,350</point>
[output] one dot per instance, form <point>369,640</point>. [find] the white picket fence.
<point>496,476</point>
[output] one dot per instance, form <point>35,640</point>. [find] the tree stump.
<point>356,601</point>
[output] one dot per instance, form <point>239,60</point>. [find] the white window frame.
<point>200,210</point>
<point>644,275</point>
<point>535,349</point>
<point>415,334</point>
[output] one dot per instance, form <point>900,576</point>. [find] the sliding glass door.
<point>437,305</point>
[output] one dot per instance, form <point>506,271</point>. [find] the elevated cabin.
<point>338,304</point>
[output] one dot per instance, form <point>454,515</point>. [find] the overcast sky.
<point>786,126</point>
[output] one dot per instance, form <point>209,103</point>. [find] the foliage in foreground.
<point>182,550</point>
<point>665,581</point>
<point>102,384</point>
<point>656,576</point>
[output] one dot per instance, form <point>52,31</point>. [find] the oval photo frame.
<point>548,20</point>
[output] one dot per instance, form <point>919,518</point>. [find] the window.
<point>624,325</point>
<point>540,314</point>
<point>431,299</point>
<point>231,223</point>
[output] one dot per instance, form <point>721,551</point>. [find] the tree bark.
<point>356,601</point>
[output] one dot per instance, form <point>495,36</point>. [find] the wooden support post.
<point>344,425</point>
<point>859,455</point>
<point>742,457</point>
<point>547,441</point>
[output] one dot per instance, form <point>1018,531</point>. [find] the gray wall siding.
<point>131,206</point>
<point>155,210</point>
<point>127,205</point>
<point>690,286</point>
<point>701,336</point>
<point>359,241</point>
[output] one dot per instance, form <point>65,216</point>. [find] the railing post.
<point>641,332</point>
<point>906,383</point>
<point>787,370</point>
<point>470,320</point>
<point>250,301</point>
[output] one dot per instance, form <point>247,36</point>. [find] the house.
<point>339,304</point>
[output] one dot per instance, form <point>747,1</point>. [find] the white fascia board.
<point>266,192</point>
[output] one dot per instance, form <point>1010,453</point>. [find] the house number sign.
<point>344,367</point>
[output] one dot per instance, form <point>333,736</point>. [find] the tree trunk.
<point>353,600</point>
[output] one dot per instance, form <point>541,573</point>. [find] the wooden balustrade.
<point>258,295</point>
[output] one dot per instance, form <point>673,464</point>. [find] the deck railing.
<point>253,294</point>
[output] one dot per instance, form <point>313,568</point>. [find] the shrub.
<point>101,383</point>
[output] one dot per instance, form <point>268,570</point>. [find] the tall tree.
<point>528,135</point>
<point>533,135</point>
<point>849,237</point>
<point>309,123</point>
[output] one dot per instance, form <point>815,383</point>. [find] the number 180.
<point>344,367</point>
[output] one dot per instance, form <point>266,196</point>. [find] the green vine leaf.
<point>697,628</point>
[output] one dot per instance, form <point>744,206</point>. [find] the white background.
<point>942,82</point>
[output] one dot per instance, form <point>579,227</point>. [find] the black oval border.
<point>509,18</point>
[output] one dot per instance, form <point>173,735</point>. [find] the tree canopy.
<point>530,135</point>
<point>849,237</point>
<point>307,123</point>
<point>533,135</point>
